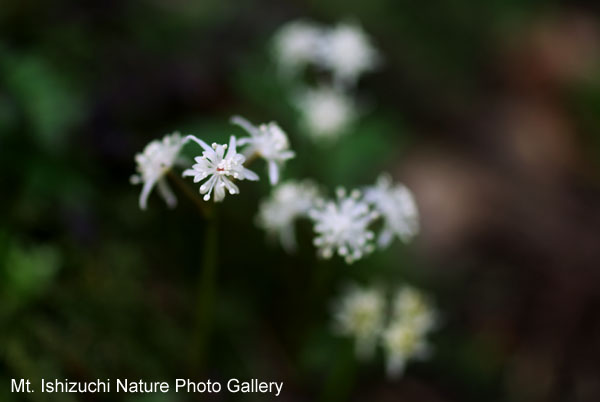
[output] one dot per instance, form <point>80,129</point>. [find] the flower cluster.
<point>360,314</point>
<point>268,141</point>
<point>344,50</point>
<point>219,169</point>
<point>219,166</point>
<point>351,225</point>
<point>397,206</point>
<point>153,163</point>
<point>348,53</point>
<point>344,225</point>
<point>289,202</point>
<point>296,45</point>
<point>400,326</point>
<point>326,112</point>
<point>343,53</point>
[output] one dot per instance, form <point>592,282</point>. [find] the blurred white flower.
<point>403,341</point>
<point>326,112</point>
<point>220,168</point>
<point>153,163</point>
<point>401,328</point>
<point>343,226</point>
<point>268,141</point>
<point>288,202</point>
<point>412,306</point>
<point>412,317</point>
<point>348,53</point>
<point>397,206</point>
<point>360,313</point>
<point>297,44</point>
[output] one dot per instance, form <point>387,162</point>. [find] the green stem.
<point>207,278</point>
<point>338,385</point>
<point>206,291</point>
<point>193,196</point>
<point>251,159</point>
<point>206,287</point>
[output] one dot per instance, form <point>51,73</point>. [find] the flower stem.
<point>250,159</point>
<point>207,278</point>
<point>339,383</point>
<point>205,293</point>
<point>204,209</point>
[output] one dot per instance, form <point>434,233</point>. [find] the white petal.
<point>232,147</point>
<point>250,150</point>
<point>286,155</point>
<point>385,238</point>
<point>273,172</point>
<point>167,194</point>
<point>220,152</point>
<point>250,175</point>
<point>145,193</point>
<point>245,141</point>
<point>208,185</point>
<point>245,124</point>
<point>233,189</point>
<point>219,192</point>
<point>198,141</point>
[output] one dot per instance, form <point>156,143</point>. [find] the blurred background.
<point>488,111</point>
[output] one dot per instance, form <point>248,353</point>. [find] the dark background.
<point>489,111</point>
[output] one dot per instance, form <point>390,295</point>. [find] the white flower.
<point>397,206</point>
<point>401,328</point>
<point>342,226</point>
<point>348,53</point>
<point>326,112</point>
<point>288,202</point>
<point>402,342</point>
<point>412,317</point>
<point>268,141</point>
<point>220,168</point>
<point>153,163</point>
<point>297,44</point>
<point>360,314</point>
<point>412,306</point>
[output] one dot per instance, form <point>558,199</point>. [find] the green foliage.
<point>26,273</point>
<point>49,103</point>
